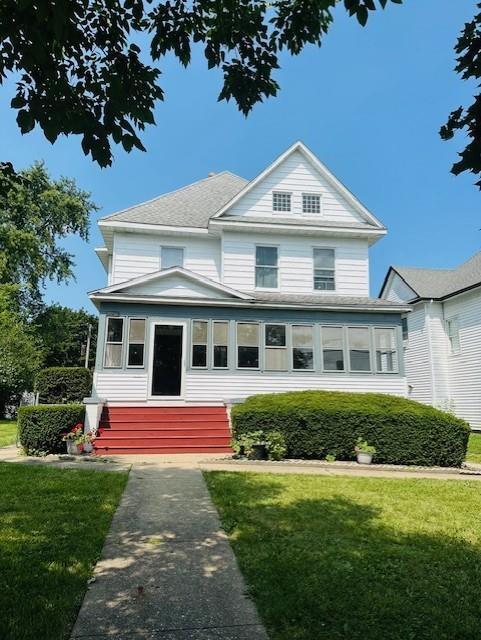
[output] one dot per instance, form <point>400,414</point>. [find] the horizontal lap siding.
<point>465,367</point>
<point>417,356</point>
<point>137,255</point>
<point>296,175</point>
<point>118,386</point>
<point>296,262</point>
<point>397,290</point>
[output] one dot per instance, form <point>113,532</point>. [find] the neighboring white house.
<point>442,334</point>
<point>227,288</point>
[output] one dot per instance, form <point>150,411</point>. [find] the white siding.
<point>137,255</point>
<point>438,345</point>
<point>465,367</point>
<point>297,176</point>
<point>176,286</point>
<point>397,290</point>
<point>119,386</point>
<point>296,263</point>
<point>417,356</point>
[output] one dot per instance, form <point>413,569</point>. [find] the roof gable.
<point>298,171</point>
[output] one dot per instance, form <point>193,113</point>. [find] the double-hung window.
<point>199,343</point>
<point>247,345</point>
<point>114,340</point>
<point>333,348</point>
<point>266,267</point>
<point>359,349</point>
<point>135,357</point>
<point>324,269</point>
<point>220,333</point>
<point>386,350</point>
<point>171,257</point>
<point>275,347</point>
<point>302,347</point>
<point>452,330</point>
<point>281,201</point>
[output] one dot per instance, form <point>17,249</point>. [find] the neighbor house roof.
<point>440,283</point>
<point>190,206</point>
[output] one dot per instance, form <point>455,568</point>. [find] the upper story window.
<point>171,257</point>
<point>386,351</point>
<point>311,203</point>
<point>324,270</point>
<point>452,330</point>
<point>266,267</point>
<point>135,357</point>
<point>114,340</point>
<point>281,201</point>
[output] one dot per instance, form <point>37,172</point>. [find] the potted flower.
<point>74,439</point>
<point>86,443</point>
<point>364,451</point>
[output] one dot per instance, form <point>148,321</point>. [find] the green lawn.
<point>52,526</point>
<point>474,448</point>
<point>8,432</point>
<point>356,558</point>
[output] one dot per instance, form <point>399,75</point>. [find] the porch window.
<point>359,349</point>
<point>171,257</point>
<point>114,340</point>
<point>275,347</point>
<point>386,350</point>
<point>136,342</point>
<point>247,345</point>
<point>333,348</point>
<point>324,270</point>
<point>302,347</point>
<point>199,343</point>
<point>221,344</point>
<point>266,267</point>
<point>452,330</point>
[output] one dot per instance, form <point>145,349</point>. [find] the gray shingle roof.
<point>442,283</point>
<point>326,301</point>
<point>190,206</point>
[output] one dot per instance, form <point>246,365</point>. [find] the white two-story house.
<point>228,287</point>
<point>442,334</point>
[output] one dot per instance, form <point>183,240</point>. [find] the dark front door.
<point>167,360</point>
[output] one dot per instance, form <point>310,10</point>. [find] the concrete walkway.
<point>167,570</point>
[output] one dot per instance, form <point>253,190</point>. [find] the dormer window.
<point>311,203</point>
<point>281,201</point>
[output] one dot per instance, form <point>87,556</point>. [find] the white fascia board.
<point>321,168</point>
<point>103,256</point>
<point>139,227</point>
<point>212,302</point>
<point>252,225</point>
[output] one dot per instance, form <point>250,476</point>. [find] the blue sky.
<point>369,103</point>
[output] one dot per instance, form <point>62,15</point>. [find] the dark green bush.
<point>320,423</point>
<point>40,428</point>
<point>61,385</point>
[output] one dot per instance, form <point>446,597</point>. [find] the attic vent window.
<point>281,201</point>
<point>311,203</point>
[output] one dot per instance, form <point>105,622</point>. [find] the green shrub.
<point>40,428</point>
<point>320,423</point>
<point>273,441</point>
<point>61,385</point>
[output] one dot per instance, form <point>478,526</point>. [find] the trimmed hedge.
<point>61,385</point>
<point>319,423</point>
<point>40,428</point>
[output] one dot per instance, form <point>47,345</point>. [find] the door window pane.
<point>333,348</point>
<point>324,270</point>
<point>386,350</point>
<point>199,343</point>
<point>221,342</point>
<point>266,267</point>
<point>136,342</point>
<point>275,349</point>
<point>302,347</point>
<point>171,257</point>
<point>247,345</point>
<point>359,349</point>
<point>114,343</point>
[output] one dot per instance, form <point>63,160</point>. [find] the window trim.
<point>342,327</point>
<point>172,246</point>
<point>213,323</point>
<point>106,342</point>
<point>372,369</point>
<point>323,291</point>
<point>321,208</point>
<point>278,273</point>
<point>192,365</point>
<point>135,366</point>
<point>447,323</point>
<point>313,326</point>
<point>285,347</point>
<point>397,369</point>
<point>259,345</point>
<point>282,192</point>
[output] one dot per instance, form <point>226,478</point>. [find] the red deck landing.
<point>163,430</point>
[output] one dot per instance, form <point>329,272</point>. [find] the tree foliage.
<point>35,213</point>
<point>63,333</point>
<point>81,70</point>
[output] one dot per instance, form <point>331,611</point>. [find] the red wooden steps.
<point>163,430</point>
